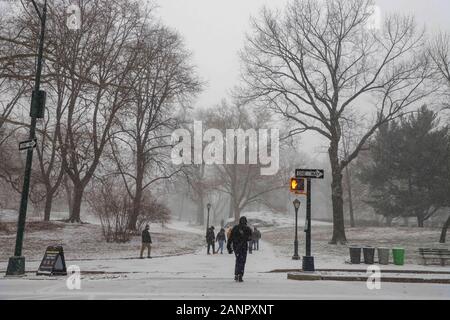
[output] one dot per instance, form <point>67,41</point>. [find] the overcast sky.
<point>214,32</point>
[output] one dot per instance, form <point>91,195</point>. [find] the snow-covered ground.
<point>86,241</point>
<point>198,276</point>
<point>411,239</point>
<point>267,220</point>
<point>181,269</point>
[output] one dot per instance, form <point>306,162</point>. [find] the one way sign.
<point>27,144</point>
<point>309,173</point>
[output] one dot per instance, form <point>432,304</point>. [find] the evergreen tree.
<point>408,174</point>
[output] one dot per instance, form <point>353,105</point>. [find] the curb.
<point>316,277</point>
<point>364,271</point>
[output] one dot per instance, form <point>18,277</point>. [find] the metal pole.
<point>296,256</point>
<point>16,264</point>
<point>308,217</point>
<point>207,221</point>
<point>308,260</point>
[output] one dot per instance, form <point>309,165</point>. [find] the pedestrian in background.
<point>256,235</point>
<point>221,239</point>
<point>146,242</point>
<point>210,239</point>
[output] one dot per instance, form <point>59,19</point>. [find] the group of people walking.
<point>240,239</point>
<point>221,239</point>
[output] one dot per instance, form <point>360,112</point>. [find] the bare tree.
<point>319,63</point>
<point>440,53</point>
<point>242,182</point>
<point>141,143</point>
<point>95,69</point>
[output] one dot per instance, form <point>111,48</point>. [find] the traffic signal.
<point>297,185</point>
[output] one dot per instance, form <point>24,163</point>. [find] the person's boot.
<point>236,277</point>
<point>240,278</point>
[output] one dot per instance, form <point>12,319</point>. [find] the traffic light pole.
<point>16,264</point>
<point>308,260</point>
<point>296,256</point>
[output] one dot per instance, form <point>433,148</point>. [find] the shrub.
<point>113,209</point>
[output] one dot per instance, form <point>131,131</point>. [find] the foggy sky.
<point>214,31</point>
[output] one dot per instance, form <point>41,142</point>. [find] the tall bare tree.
<point>96,62</point>
<point>243,182</point>
<point>320,62</point>
<point>165,81</point>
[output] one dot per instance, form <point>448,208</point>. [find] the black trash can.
<point>355,255</point>
<point>369,254</point>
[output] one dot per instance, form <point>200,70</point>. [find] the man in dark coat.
<point>238,241</point>
<point>256,235</point>
<point>210,239</point>
<point>146,242</point>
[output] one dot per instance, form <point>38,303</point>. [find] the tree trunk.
<point>388,221</point>
<point>337,196</point>
<point>444,230</point>
<point>137,199</point>
<point>76,201</point>
<point>48,205</point>
<point>200,211</point>
<point>137,205</point>
<point>68,195</point>
<point>230,208</point>
<point>405,222</point>
<point>237,213</point>
<point>420,221</point>
<point>350,200</point>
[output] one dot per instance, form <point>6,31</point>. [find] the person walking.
<point>146,242</point>
<point>210,239</point>
<point>250,243</point>
<point>221,239</point>
<point>238,242</point>
<point>256,235</point>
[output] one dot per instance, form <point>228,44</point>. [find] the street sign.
<point>27,144</point>
<point>309,173</point>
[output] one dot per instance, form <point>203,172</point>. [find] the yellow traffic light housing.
<point>297,185</point>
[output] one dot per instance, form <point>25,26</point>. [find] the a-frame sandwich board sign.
<point>53,262</point>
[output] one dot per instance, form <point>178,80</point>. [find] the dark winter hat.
<point>212,227</point>
<point>147,226</point>
<point>243,220</point>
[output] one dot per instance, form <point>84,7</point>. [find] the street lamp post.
<point>16,264</point>
<point>208,206</point>
<point>296,207</point>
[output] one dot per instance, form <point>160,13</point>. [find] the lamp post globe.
<point>208,206</point>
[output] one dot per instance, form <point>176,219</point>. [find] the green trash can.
<point>399,256</point>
